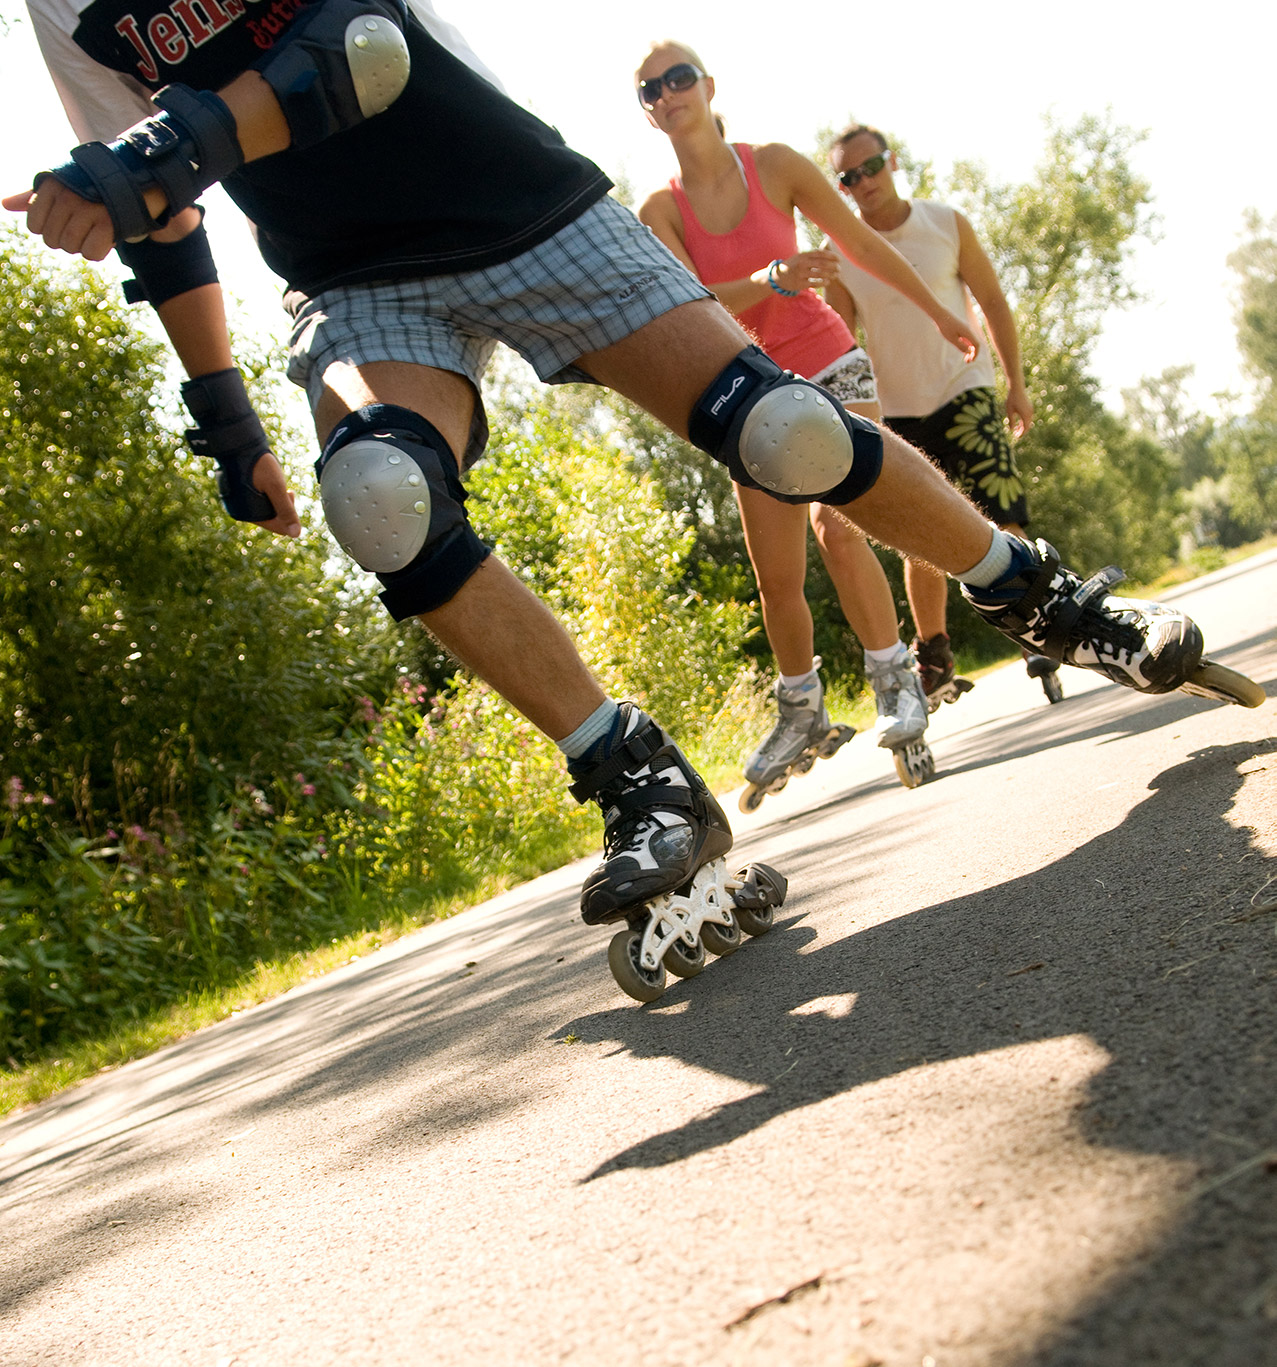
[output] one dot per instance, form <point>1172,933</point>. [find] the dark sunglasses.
<point>681,77</point>
<point>871,167</point>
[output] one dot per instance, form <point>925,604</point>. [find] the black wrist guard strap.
<point>190,145</point>
<point>163,270</point>
<point>227,429</point>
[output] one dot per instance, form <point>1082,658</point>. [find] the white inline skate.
<point>664,871</point>
<point>1048,610</point>
<point>803,734</point>
<point>902,716</point>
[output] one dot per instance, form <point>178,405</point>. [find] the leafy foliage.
<point>214,753</point>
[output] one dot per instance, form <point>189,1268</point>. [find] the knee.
<point>393,500</point>
<point>778,432</point>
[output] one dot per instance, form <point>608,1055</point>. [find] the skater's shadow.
<point>942,983</point>
<point>1152,940</point>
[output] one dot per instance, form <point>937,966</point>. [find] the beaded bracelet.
<point>780,289</point>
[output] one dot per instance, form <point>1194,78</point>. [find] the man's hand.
<point>1019,410</point>
<point>66,222</point>
<point>957,332</point>
<point>268,479</point>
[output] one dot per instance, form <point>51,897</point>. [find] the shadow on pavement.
<point>1145,940</point>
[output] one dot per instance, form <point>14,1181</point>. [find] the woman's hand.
<point>957,332</point>
<point>807,270</point>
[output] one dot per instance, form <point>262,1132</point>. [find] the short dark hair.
<point>855,130</point>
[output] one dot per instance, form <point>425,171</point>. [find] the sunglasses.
<point>853,177</point>
<point>681,77</point>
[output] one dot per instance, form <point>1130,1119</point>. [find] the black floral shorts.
<point>968,440</point>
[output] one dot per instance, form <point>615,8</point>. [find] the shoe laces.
<point>629,797</point>
<point>1112,631</point>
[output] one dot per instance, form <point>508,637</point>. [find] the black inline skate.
<point>664,872</point>
<point>936,670</point>
<point>1048,610</point>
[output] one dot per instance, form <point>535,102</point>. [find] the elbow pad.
<point>340,62</point>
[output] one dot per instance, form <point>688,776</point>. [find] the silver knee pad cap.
<point>794,441</point>
<point>377,503</point>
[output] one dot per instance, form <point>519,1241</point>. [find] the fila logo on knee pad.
<point>724,399</point>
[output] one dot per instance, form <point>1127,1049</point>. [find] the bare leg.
<point>864,592</point>
<point>776,538</point>
<point>928,594</point>
<point>494,625</point>
<point>668,364</point>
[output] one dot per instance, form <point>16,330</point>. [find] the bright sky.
<point>955,81</point>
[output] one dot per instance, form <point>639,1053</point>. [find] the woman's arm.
<point>803,270</point>
<point>814,196</point>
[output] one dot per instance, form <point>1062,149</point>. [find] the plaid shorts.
<point>592,284</point>
<point>850,379</point>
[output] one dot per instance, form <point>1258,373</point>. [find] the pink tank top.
<point>802,334</point>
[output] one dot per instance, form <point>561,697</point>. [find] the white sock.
<point>995,563</point>
<point>791,681</point>
<point>888,656</point>
<point>592,730</point>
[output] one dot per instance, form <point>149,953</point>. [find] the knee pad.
<point>392,498</point>
<point>778,432</point>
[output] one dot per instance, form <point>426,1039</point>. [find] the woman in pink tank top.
<point>729,217</point>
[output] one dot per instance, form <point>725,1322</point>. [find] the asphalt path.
<point>1000,1088</point>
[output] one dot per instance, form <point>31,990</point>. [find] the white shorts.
<point>850,379</point>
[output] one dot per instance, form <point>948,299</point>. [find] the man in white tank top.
<point>946,408</point>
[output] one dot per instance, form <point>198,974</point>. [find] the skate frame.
<point>680,915</point>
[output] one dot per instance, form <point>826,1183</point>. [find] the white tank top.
<point>918,371</point>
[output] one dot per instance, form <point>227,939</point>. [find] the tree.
<point>1158,408</point>
<point>1060,245</point>
<point>1255,261</point>
<point>149,646</point>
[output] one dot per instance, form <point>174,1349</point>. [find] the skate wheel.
<point>1052,687</point>
<point>720,939</point>
<point>1211,680</point>
<point>755,921</point>
<point>682,960</point>
<point>915,763</point>
<point>751,799</point>
<point>777,785</point>
<point>835,740</point>
<point>643,984</point>
<point>803,763</point>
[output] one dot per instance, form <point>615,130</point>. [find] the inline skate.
<point>902,716</point>
<point>664,871</point>
<point>803,734</point>
<point>1048,610</point>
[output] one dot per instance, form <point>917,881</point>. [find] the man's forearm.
<point>196,325</point>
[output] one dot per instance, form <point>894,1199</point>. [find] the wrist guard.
<point>228,430</point>
<point>190,145</point>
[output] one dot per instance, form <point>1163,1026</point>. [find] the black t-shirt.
<point>454,176</point>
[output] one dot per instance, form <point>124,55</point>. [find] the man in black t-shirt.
<point>419,216</point>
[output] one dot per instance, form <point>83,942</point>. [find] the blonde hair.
<point>690,53</point>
